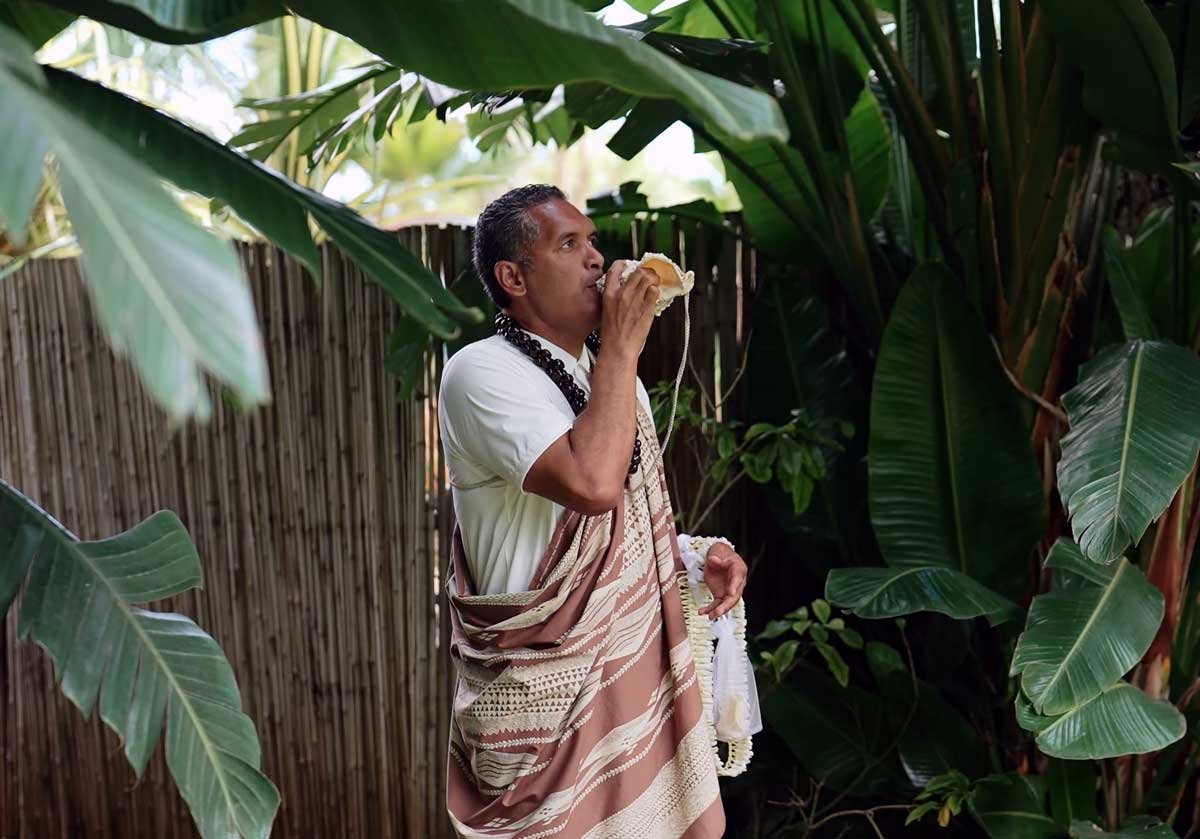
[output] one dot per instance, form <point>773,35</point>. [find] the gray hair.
<point>505,231</point>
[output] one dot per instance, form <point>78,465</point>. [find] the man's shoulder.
<point>492,353</point>
<point>481,362</point>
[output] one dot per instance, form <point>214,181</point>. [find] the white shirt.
<point>498,412</point>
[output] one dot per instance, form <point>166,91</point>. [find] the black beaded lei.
<point>507,328</point>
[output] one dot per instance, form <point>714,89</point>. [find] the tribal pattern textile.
<point>577,711</point>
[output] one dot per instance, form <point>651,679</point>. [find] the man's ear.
<point>511,278</point>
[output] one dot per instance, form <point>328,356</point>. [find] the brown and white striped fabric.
<point>577,711</point>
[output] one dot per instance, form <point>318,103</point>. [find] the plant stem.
<point>1052,409</point>
<point>868,814</point>
<point>293,84</point>
<point>1133,793</point>
<point>719,496</point>
<point>722,398</point>
<point>723,18</point>
<point>1110,815</point>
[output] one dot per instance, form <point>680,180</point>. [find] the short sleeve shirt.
<point>498,413</point>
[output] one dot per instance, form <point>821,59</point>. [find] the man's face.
<point>564,267</point>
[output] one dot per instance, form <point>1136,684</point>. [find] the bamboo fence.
<point>321,519</point>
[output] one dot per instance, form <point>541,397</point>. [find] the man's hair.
<point>505,231</point>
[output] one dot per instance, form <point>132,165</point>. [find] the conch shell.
<point>673,280</point>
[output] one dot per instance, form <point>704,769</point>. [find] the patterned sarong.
<point>577,712</point>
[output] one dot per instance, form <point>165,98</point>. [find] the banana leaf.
<point>699,19</point>
<point>275,205</point>
<point>1079,641</point>
<point>837,734</point>
<point>822,46</point>
<point>81,604</point>
<point>953,482</point>
<point>546,43</point>
<point>1135,433</point>
<point>891,592</point>
<point>1127,297</point>
<point>774,204</point>
<point>1128,71</point>
<point>37,22</point>
<point>1181,24</point>
<point>1146,279</point>
<point>1120,721</point>
<point>23,140</point>
<point>166,292</point>
<point>176,21</point>
<point>933,737</point>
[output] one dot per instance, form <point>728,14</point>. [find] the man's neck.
<point>569,342</point>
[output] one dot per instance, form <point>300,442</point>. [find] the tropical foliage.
<point>144,669</point>
<point>957,280</point>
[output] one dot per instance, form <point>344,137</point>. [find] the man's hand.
<point>627,309</point>
<point>725,575</point>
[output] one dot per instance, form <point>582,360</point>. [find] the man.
<point>577,710</point>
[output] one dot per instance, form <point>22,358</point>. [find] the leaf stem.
<point>1055,411</point>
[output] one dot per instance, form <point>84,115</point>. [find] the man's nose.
<point>595,259</point>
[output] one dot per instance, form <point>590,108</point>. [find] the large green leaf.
<point>774,205</point>
<point>177,21</point>
<point>545,43</point>
<point>1127,295</point>
<point>1128,71</point>
<point>952,477</point>
<point>1135,432</point>
<point>266,199</point>
<point>932,736</point>
<point>1120,721</point>
<point>79,605</point>
<point>595,104</point>
<point>890,592</point>
<point>696,18</point>
<point>1080,640</point>
<point>1027,718</point>
<point>261,196</point>
<point>1137,827</point>
<point>1011,807</point>
<point>166,292</point>
<point>1181,24</point>
<point>309,115</point>
<point>645,121</point>
<point>836,734</point>
<point>24,144</point>
<point>820,35</point>
<point>37,22</point>
<point>1142,277</point>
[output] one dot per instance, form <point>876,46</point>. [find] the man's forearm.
<point>602,437</point>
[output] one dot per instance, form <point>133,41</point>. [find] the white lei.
<point>726,675</point>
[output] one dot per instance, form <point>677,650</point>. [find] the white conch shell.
<point>673,280</point>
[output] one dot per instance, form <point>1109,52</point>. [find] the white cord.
<point>687,333</point>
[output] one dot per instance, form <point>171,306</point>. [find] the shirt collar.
<point>569,361</point>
